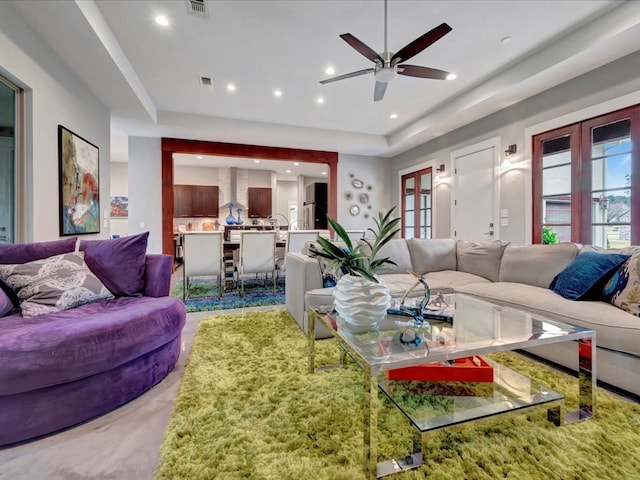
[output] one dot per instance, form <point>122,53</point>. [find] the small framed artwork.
<point>119,207</point>
<point>79,184</point>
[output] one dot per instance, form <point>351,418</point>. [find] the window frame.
<point>416,175</point>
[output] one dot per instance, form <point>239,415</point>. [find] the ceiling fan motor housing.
<point>385,72</point>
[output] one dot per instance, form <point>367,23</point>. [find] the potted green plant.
<point>359,296</point>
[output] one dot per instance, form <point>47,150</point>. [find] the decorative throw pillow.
<point>5,304</point>
<point>585,276</point>
<point>623,289</point>
<point>119,262</point>
<point>53,284</point>
<point>9,301</point>
<point>330,273</point>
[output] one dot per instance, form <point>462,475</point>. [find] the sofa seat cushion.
<point>452,279</point>
<point>73,344</point>
<point>615,329</point>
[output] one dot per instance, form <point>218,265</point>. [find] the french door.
<point>586,182</point>
<point>9,95</point>
<point>417,214</point>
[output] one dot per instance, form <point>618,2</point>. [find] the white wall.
<point>119,187</point>
<point>54,95</point>
<point>285,192</point>
<point>374,172</point>
<point>187,175</point>
<point>145,189</point>
<point>606,89</point>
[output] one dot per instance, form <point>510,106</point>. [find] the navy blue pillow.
<point>586,275</point>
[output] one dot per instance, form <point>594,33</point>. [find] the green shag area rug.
<point>248,409</point>
<point>203,295</point>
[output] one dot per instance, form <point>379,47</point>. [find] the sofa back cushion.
<point>480,258</point>
<point>28,252</point>
<point>432,254</point>
<point>535,264</point>
<point>119,262</point>
<point>398,251</point>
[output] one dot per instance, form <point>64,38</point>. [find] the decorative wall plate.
<point>357,183</point>
<point>354,210</point>
<point>364,198</point>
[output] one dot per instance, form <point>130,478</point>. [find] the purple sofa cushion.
<point>28,252</point>
<point>65,346</point>
<point>118,262</point>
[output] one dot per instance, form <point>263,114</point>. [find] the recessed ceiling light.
<point>256,161</point>
<point>295,164</point>
<point>277,92</point>
<point>329,70</point>
<point>162,20</point>
<point>199,157</point>
<point>231,87</point>
<point>320,100</point>
<point>288,171</point>
<point>452,76</point>
<point>393,115</point>
<point>323,173</point>
<point>506,39</point>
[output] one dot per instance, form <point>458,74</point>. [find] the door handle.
<point>490,232</point>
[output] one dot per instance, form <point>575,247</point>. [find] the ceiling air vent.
<point>197,8</point>
<point>206,82</point>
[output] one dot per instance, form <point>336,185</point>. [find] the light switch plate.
<point>504,222</point>
<point>504,213</point>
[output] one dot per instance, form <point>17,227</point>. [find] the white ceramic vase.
<point>361,302</point>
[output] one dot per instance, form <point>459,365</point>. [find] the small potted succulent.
<point>360,298</point>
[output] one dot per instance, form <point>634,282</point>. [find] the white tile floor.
<point>121,445</point>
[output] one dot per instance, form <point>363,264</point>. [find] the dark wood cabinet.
<point>182,200</point>
<point>259,202</point>
<point>195,201</point>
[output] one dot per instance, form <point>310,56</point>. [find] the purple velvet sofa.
<point>60,369</point>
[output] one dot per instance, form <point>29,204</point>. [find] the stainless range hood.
<point>233,188</point>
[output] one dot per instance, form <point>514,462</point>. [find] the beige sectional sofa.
<point>513,275</point>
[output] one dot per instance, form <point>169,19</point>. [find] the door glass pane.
<point>7,163</point>
<point>611,236</point>
<point>555,234</point>
<point>408,203</point>
<point>611,171</point>
<point>409,186</point>
<point>611,207</point>
<point>556,180</point>
<point>556,209</point>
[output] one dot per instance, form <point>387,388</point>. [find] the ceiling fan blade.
<point>422,72</point>
<point>420,43</point>
<point>348,75</point>
<point>362,48</point>
<point>378,92</point>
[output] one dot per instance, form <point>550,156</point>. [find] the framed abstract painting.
<point>79,184</point>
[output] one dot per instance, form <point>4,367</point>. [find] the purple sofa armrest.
<point>157,275</point>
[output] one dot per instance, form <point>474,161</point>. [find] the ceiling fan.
<point>389,64</point>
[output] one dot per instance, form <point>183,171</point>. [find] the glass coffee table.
<point>478,328</point>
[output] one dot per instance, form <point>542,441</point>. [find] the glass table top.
<point>477,327</point>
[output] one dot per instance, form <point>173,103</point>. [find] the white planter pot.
<point>361,302</point>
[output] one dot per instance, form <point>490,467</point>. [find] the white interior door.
<point>476,193</point>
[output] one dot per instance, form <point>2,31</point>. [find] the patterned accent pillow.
<point>330,273</point>
<point>623,289</point>
<point>54,284</point>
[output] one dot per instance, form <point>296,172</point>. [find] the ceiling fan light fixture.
<point>385,74</point>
